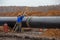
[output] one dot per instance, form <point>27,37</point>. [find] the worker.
<point>5,27</point>
<point>19,21</point>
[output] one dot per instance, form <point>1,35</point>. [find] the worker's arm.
<point>22,17</point>
<point>24,14</point>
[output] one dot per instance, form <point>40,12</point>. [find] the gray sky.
<point>28,2</point>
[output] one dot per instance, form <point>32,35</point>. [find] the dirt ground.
<point>49,33</point>
<point>34,13</point>
<point>28,36</point>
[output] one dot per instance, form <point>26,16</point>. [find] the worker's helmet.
<point>5,24</point>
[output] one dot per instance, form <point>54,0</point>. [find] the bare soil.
<point>33,13</point>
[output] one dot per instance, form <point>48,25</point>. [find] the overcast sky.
<point>28,2</point>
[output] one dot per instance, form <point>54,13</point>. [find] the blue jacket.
<point>20,18</point>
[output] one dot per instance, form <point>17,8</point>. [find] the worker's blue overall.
<point>19,21</point>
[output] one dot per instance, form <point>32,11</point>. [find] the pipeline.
<point>35,21</point>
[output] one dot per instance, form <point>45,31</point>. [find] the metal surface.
<point>52,19</point>
<point>35,21</point>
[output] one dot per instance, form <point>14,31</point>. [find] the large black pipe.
<point>35,21</point>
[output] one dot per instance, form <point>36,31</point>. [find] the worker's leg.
<point>19,27</point>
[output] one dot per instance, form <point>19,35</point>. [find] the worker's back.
<point>20,18</point>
